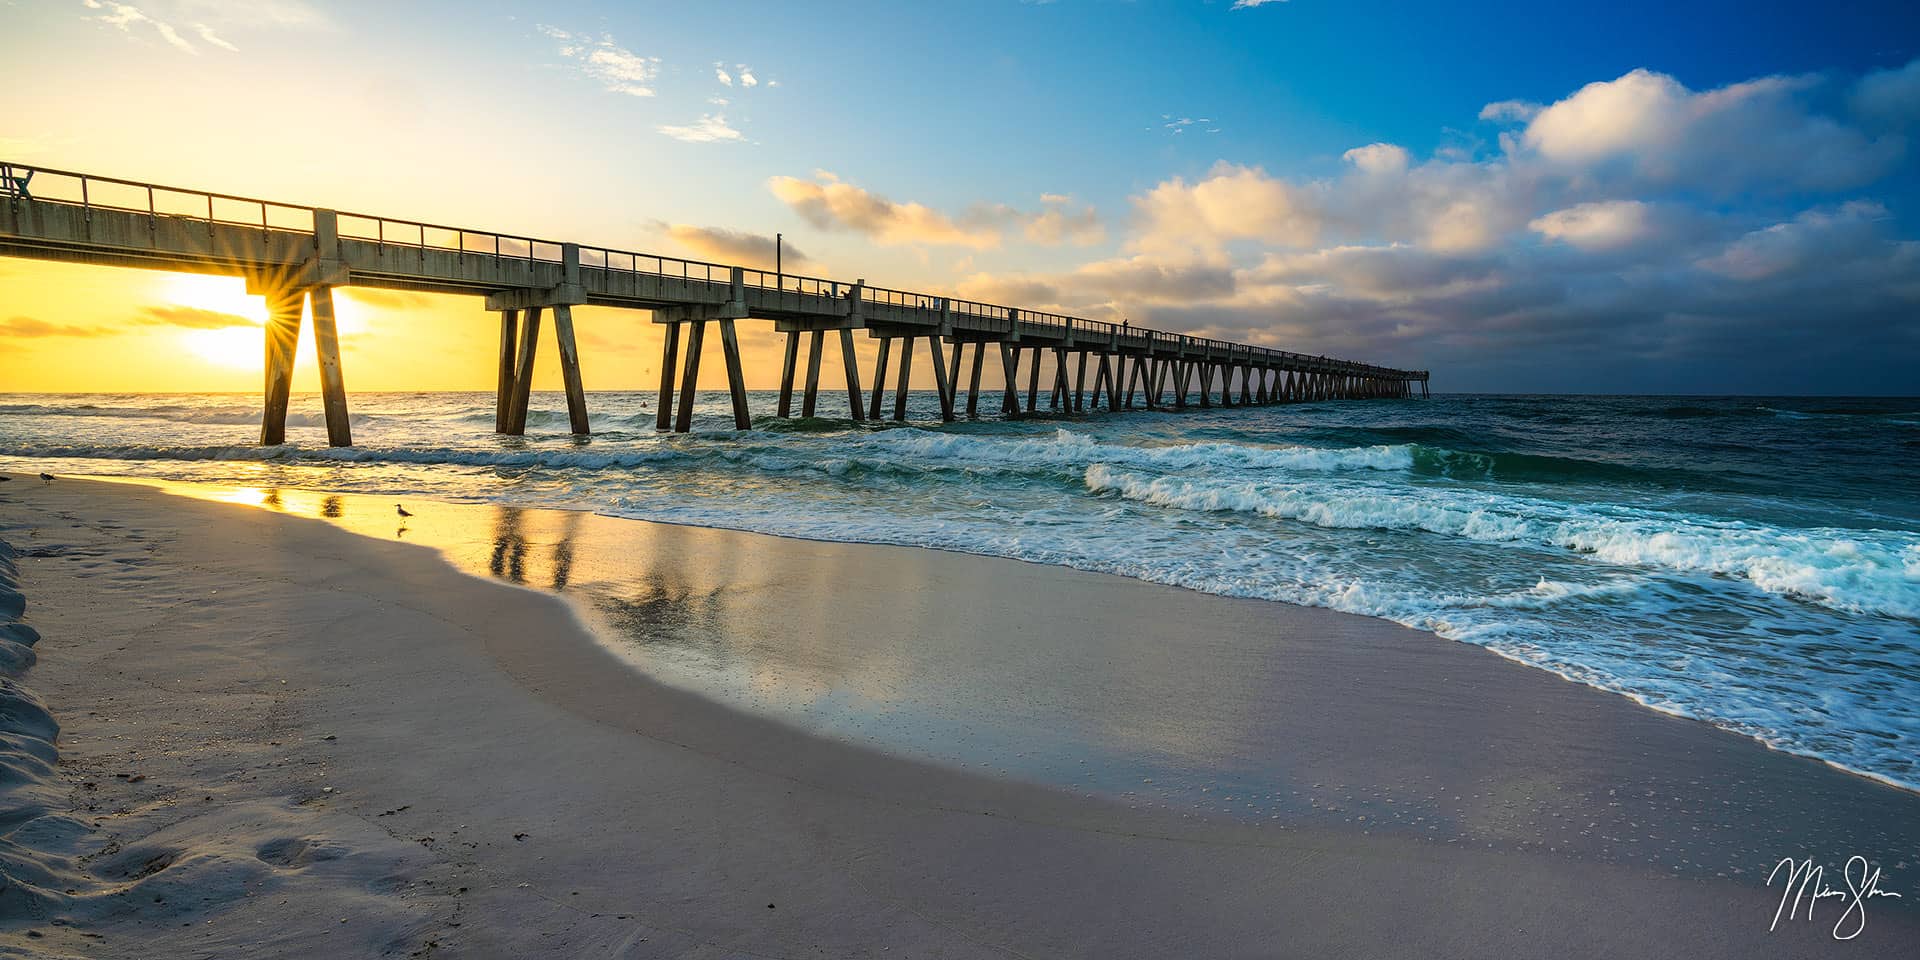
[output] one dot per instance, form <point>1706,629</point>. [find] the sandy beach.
<point>281,737</point>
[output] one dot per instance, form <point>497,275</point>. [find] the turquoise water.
<point>1751,562</point>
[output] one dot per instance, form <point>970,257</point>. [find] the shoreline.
<point>584,615</point>
<point>451,665</point>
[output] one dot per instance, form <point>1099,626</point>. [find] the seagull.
<point>48,477</point>
<point>402,511</point>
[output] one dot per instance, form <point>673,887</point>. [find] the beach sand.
<point>279,737</point>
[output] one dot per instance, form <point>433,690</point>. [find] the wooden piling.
<point>1080,384</point>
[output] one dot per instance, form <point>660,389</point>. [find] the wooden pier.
<point>296,255</point>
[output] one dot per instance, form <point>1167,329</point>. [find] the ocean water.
<point>1750,562</point>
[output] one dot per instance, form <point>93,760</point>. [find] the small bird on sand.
<point>48,477</point>
<point>4,478</point>
<point>402,511</point>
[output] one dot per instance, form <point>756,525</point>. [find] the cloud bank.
<point>1633,234</point>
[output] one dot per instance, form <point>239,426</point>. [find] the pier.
<point>295,256</point>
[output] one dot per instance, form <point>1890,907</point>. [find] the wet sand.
<point>282,737</point>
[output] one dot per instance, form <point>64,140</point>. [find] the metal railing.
<point>27,182</point>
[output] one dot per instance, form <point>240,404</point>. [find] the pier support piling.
<point>809,399</point>
<point>880,377</point>
<point>333,386</point>
<point>283,339</point>
<point>852,365</point>
<point>736,382</point>
<point>690,377</point>
<point>900,389</point>
<point>669,361</point>
<point>944,378</point>
<point>509,344</point>
<point>523,372</point>
<point>570,369</point>
<point>973,381</point>
<point>788,359</point>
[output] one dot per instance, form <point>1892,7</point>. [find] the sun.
<point>238,340</point>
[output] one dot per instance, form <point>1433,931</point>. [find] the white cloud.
<point>1250,4</point>
<point>720,73</point>
<point>1231,203</point>
<point>615,68</point>
<point>1056,223</point>
<point>206,33</point>
<point>733,246</point>
<point>1378,158</point>
<point>1648,128</point>
<point>1601,225</point>
<point>1890,96</point>
<point>710,128</point>
<point>747,79</point>
<point>1812,236</point>
<point>205,19</point>
<point>1511,111</point>
<point>830,204</point>
<point>126,17</point>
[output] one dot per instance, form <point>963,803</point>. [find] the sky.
<point>1693,198</point>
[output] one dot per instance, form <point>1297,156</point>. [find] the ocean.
<point>1750,562</point>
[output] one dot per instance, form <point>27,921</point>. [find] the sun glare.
<point>215,294</point>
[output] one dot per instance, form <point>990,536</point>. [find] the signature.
<point>1806,882</point>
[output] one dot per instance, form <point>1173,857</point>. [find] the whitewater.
<point>1750,562</point>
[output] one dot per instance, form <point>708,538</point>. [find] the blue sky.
<point>1704,197</point>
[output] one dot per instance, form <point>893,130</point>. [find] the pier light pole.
<point>779,275</point>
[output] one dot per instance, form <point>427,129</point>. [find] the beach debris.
<point>329,737</point>
<point>519,836</point>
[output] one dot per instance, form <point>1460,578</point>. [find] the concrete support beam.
<point>1010,373</point>
<point>816,342</point>
<point>788,359</point>
<point>523,372</point>
<point>880,377</point>
<point>973,381</point>
<point>283,339</point>
<point>943,378</point>
<point>570,369</point>
<point>736,382</point>
<point>690,376</point>
<point>333,386</point>
<point>852,365</point>
<point>900,390</point>
<point>669,361</point>
<point>509,344</point>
